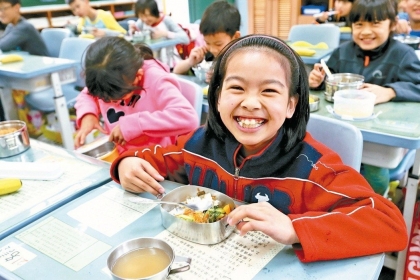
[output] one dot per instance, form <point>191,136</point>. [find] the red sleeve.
<point>360,223</point>
<point>168,161</point>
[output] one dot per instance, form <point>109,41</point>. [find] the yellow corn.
<point>10,58</point>
<point>301,44</point>
<point>304,52</point>
<point>9,185</point>
<point>321,45</point>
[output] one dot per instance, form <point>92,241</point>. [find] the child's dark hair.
<point>220,17</point>
<point>69,1</point>
<point>12,2</point>
<point>297,80</point>
<point>143,5</point>
<point>111,65</point>
<point>374,10</point>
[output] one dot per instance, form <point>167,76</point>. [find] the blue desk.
<point>38,265</point>
<point>37,198</point>
<point>396,127</point>
<point>36,73</point>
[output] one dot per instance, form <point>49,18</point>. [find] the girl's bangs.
<point>372,12</point>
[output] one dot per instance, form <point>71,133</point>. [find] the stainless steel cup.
<point>15,142</point>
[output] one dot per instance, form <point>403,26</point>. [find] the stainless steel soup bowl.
<point>147,242</point>
<point>15,142</point>
<point>210,233</point>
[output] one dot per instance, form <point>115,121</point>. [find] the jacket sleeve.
<point>168,161</point>
<point>12,39</point>
<point>113,27</point>
<point>355,221</point>
<point>85,104</point>
<point>174,114</point>
<point>407,85</point>
<point>175,31</point>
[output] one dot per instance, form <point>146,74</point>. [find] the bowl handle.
<point>184,263</point>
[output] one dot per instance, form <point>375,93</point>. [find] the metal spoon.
<point>190,206</point>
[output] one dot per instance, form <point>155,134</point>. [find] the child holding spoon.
<point>255,145</point>
<point>390,68</point>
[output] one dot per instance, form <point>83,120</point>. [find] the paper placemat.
<point>237,257</point>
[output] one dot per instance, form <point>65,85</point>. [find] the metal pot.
<point>147,242</point>
<point>101,149</point>
<point>412,41</point>
<point>342,81</point>
<point>14,138</point>
<point>210,233</point>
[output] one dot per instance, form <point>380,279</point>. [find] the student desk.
<point>37,198</point>
<point>37,252</point>
<point>36,73</point>
<point>396,127</point>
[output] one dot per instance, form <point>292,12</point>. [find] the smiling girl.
<point>137,98</point>
<point>391,68</point>
<point>255,145</point>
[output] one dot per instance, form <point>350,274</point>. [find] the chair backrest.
<point>316,33</point>
<point>53,37</point>
<point>193,93</point>
<point>74,48</point>
<point>343,138</point>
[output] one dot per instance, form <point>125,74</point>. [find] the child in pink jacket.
<point>135,96</point>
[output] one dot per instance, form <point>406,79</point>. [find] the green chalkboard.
<point>30,3</point>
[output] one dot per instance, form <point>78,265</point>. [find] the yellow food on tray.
<point>304,44</point>
<point>345,29</point>
<point>87,36</point>
<point>9,58</point>
<point>304,51</point>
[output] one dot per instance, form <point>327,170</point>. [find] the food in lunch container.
<point>7,130</point>
<point>213,214</point>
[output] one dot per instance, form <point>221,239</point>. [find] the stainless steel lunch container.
<point>342,81</point>
<point>15,142</point>
<point>210,233</point>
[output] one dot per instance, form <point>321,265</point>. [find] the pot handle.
<point>183,264</point>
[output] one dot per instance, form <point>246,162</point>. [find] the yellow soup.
<point>141,263</point>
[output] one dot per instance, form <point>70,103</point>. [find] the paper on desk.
<point>110,212</point>
<point>237,257</point>
<point>63,243</point>
<point>35,192</point>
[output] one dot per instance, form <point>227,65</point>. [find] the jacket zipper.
<point>236,177</point>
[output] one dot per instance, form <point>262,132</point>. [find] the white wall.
<point>178,9</point>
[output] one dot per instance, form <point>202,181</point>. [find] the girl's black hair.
<point>374,10</point>
<point>110,66</point>
<point>295,127</point>
<point>143,5</point>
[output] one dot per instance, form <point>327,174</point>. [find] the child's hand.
<point>137,176</point>
<point>383,94</point>
<point>264,217</point>
<point>156,34</point>
<point>402,27</point>
<point>98,33</point>
<point>89,122</point>
<point>197,55</point>
<point>316,76</point>
<point>324,17</point>
<point>116,136</point>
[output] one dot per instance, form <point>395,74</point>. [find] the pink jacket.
<point>156,116</point>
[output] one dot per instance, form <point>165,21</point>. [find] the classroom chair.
<point>343,138</point>
<point>193,93</point>
<point>53,37</point>
<point>71,48</point>
<point>316,33</point>
<point>401,171</point>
